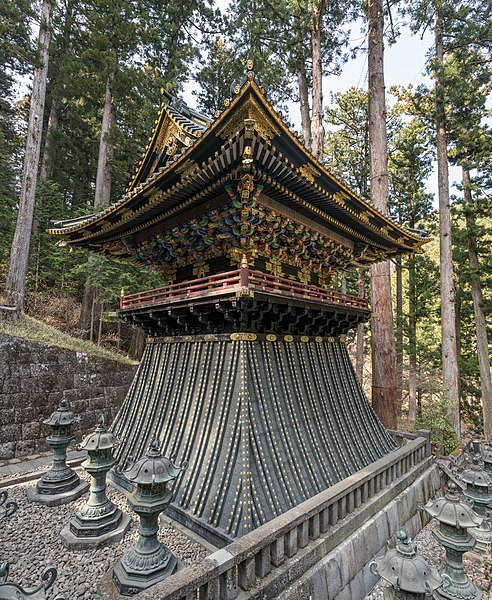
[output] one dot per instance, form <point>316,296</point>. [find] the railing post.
<point>246,574</point>
<point>314,527</point>
<point>277,555</point>
<point>244,272</point>
<point>290,547</point>
<point>228,585</point>
<point>425,433</point>
<point>324,519</point>
<point>262,562</point>
<point>302,534</point>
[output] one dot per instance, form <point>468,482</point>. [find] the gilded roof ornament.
<point>309,172</point>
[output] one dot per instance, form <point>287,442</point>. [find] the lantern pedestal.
<point>455,518</point>
<point>99,522</point>
<point>149,561</point>
<point>135,573</point>
<point>79,537</point>
<point>53,498</point>
<point>59,485</point>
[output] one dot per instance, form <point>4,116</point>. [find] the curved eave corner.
<point>270,125</point>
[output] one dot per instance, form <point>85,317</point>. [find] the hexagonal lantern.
<point>487,458</point>
<point>10,591</point>
<point>60,484</point>
<point>99,522</point>
<point>148,561</point>
<point>479,492</point>
<point>455,517</point>
<point>408,573</point>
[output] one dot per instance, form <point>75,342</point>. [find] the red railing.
<point>237,280</point>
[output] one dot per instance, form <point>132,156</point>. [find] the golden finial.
<point>249,66</point>
<point>244,262</point>
<point>122,293</point>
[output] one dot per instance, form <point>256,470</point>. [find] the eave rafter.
<point>278,158</point>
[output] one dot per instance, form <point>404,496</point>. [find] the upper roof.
<point>190,159</point>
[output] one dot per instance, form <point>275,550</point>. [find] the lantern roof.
<point>153,468</point>
<point>405,569</point>
<point>99,439</point>
<point>450,510</point>
<point>62,416</point>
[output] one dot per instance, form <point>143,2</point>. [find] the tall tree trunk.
<point>103,177</point>
<point>412,343</point>
<point>384,392</point>
<point>317,129</point>
<point>399,332</point>
<point>359,348</point>
<point>480,322</point>
<point>63,49</point>
<point>305,111</point>
<point>448,308</point>
<point>46,169</point>
<point>101,198</point>
<point>15,286</point>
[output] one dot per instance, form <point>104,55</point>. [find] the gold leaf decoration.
<point>188,167</point>
<point>271,337</point>
<point>243,337</point>
<point>308,172</point>
<point>250,110</point>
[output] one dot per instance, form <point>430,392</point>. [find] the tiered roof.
<point>190,161</point>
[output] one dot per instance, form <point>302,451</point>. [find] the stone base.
<point>74,542</point>
<point>132,582</point>
<point>33,495</point>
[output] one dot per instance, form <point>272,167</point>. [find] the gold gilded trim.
<point>243,337</point>
<point>308,172</point>
<point>288,338</point>
<point>271,337</point>
<point>187,168</point>
<point>250,110</point>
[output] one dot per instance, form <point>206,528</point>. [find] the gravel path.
<point>29,541</point>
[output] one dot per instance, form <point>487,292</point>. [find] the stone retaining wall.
<point>33,378</point>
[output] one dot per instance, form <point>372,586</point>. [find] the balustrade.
<point>239,566</point>
<point>239,278</point>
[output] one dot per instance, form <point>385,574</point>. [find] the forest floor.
<point>39,331</point>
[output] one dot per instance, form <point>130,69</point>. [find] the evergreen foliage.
<point>145,46</point>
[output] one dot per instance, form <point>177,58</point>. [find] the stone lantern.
<point>408,573</point>
<point>479,492</point>
<point>99,522</point>
<point>455,518</point>
<point>11,591</point>
<point>487,458</point>
<point>7,507</point>
<point>60,484</point>
<point>148,561</point>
